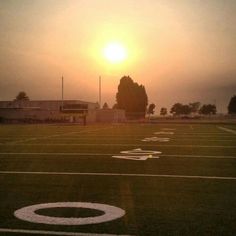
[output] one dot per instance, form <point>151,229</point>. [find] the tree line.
<point>133,98</point>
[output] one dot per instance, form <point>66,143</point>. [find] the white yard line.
<point>43,232</point>
<point>56,154</point>
<point>117,174</point>
<point>56,135</point>
<point>227,130</point>
<point>199,156</point>
<point>121,138</point>
<point>114,144</point>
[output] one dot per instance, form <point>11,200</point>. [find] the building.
<point>57,111</point>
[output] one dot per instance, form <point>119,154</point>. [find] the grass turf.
<point>153,205</point>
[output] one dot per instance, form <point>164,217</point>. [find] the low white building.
<point>57,111</point>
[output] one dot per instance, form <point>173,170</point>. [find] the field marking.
<point>125,135</point>
<point>106,154</point>
<point>200,156</point>
<point>136,158</point>
<point>43,232</point>
<point>114,144</point>
<point>56,135</point>
<point>29,214</point>
<point>137,154</point>
<point>155,139</point>
<point>117,174</point>
<point>227,130</point>
<point>164,132</point>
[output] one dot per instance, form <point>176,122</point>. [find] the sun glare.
<point>115,52</point>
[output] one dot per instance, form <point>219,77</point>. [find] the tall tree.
<point>208,109</point>
<point>232,105</point>
<point>132,98</point>
<point>22,96</point>
<point>163,111</point>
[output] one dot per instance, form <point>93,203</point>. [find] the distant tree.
<point>176,109</point>
<point>163,111</point>
<point>208,109</point>
<point>194,107</point>
<point>22,96</point>
<point>105,106</point>
<point>186,109</point>
<point>150,110</point>
<point>232,105</point>
<point>132,98</point>
<point>180,109</point>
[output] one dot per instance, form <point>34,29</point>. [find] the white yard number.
<point>138,154</point>
<point>156,139</point>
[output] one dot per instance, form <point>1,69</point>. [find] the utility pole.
<point>62,93</point>
<point>100,92</point>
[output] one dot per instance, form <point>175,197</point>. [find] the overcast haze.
<point>180,50</point>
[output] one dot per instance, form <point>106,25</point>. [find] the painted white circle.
<point>139,151</point>
<point>28,213</point>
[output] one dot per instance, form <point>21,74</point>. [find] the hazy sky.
<point>180,50</point>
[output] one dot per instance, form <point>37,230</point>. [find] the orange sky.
<point>182,51</point>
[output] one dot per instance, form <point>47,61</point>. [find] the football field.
<point>121,179</point>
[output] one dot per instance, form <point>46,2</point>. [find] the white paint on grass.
<point>137,158</point>
<point>119,145</point>
<point>167,129</point>
<point>44,232</point>
<point>155,139</point>
<point>227,130</point>
<point>139,151</point>
<point>119,174</point>
<point>164,132</point>
<point>56,154</point>
<point>29,213</point>
<point>56,135</point>
<point>137,154</point>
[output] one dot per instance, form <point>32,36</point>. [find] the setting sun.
<point>115,52</point>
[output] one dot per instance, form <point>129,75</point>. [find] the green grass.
<point>156,205</point>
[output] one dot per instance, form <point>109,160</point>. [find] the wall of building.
<point>45,111</point>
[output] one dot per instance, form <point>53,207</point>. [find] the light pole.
<point>100,92</point>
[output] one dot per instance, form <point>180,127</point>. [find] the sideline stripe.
<point>105,154</point>
<point>43,232</point>
<point>114,144</point>
<point>119,174</point>
<point>227,130</point>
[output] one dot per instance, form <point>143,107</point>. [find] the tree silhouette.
<point>232,105</point>
<point>163,111</point>
<point>208,109</point>
<point>22,96</point>
<point>151,108</point>
<point>194,106</point>
<point>105,106</point>
<point>180,109</point>
<point>132,98</point>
